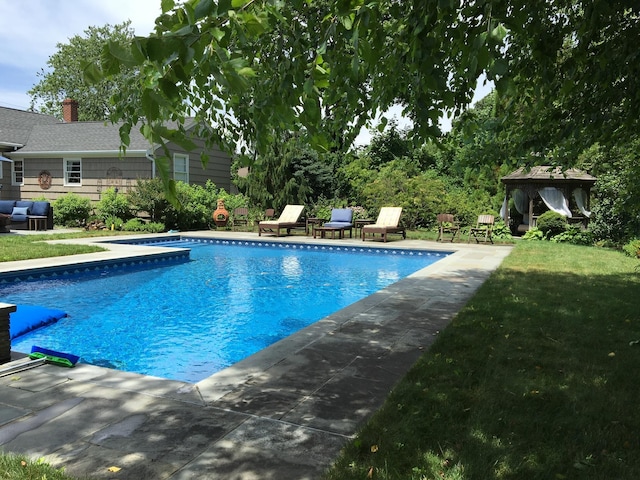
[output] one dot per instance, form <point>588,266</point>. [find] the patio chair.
<point>388,221</point>
<point>341,218</point>
<point>240,217</point>
<point>288,219</point>
<point>483,229</point>
<point>447,225</point>
<point>269,213</point>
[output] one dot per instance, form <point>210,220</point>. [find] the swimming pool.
<point>189,320</point>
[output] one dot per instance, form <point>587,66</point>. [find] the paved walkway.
<point>284,413</point>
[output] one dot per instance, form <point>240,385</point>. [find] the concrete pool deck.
<point>284,413</point>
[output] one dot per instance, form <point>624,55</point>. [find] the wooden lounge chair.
<point>447,225</point>
<point>388,221</point>
<point>483,229</point>
<point>288,219</point>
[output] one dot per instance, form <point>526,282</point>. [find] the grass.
<point>19,467</point>
<point>25,247</point>
<point>534,378</point>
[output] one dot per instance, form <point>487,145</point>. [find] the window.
<point>72,172</point>
<point>181,167</point>
<point>17,172</point>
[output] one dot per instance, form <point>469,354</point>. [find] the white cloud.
<point>31,30</point>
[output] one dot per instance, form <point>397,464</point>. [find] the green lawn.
<point>25,247</point>
<point>534,379</point>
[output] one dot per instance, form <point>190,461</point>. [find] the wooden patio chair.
<point>240,217</point>
<point>483,229</point>
<point>447,225</point>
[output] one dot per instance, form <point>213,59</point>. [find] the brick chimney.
<point>70,110</point>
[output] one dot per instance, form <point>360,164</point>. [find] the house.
<point>46,157</point>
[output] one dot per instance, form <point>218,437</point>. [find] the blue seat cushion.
<point>6,206</point>
<point>40,209</point>
<point>342,215</point>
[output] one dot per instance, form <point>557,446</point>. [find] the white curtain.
<point>503,209</point>
<point>581,200</point>
<point>520,201</point>
<point>554,200</point>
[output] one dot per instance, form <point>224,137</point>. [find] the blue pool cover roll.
<point>30,317</point>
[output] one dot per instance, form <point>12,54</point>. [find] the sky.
<point>31,31</point>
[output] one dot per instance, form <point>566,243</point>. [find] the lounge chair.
<point>288,219</point>
<point>388,221</point>
<point>447,225</point>
<point>483,229</point>
<point>341,220</point>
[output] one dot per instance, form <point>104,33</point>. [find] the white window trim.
<point>1,170</point>
<point>65,161</point>
<point>185,157</point>
<point>13,173</point>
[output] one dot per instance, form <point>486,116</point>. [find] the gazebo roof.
<point>549,175</point>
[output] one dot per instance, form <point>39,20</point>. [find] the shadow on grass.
<point>535,378</point>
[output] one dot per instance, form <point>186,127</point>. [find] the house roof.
<point>81,137</point>
<point>29,134</point>
<point>16,126</point>
<point>548,174</point>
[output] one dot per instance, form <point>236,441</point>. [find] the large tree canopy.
<point>64,79</point>
<point>568,69</point>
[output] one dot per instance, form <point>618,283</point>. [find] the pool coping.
<point>319,385</point>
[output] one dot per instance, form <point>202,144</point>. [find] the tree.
<point>65,77</point>
<point>253,68</point>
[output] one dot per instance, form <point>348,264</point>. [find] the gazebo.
<point>543,188</point>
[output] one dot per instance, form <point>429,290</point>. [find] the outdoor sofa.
<point>21,211</point>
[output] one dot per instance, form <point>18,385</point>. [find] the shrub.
<point>551,223</point>
<point>154,227</point>
<point>632,248</point>
<point>114,204</point>
<point>137,225</point>
<point>113,223</point>
<point>71,210</point>
<point>501,231</point>
<point>134,225</point>
<point>574,235</point>
<point>533,233</point>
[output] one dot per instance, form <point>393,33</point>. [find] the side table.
<point>37,222</point>
<point>312,223</point>
<point>358,224</point>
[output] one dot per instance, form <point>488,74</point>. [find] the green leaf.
<point>499,33</point>
<point>239,3</point>
<point>167,5</point>
<point>205,8</point>
<point>247,72</point>
<point>150,105</point>
<point>122,53</point>
<point>91,72</point>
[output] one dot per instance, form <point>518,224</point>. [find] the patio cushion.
<point>40,209</point>
<point>6,206</point>
<point>20,211</point>
<point>341,215</point>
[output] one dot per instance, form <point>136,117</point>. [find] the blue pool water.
<point>190,320</point>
